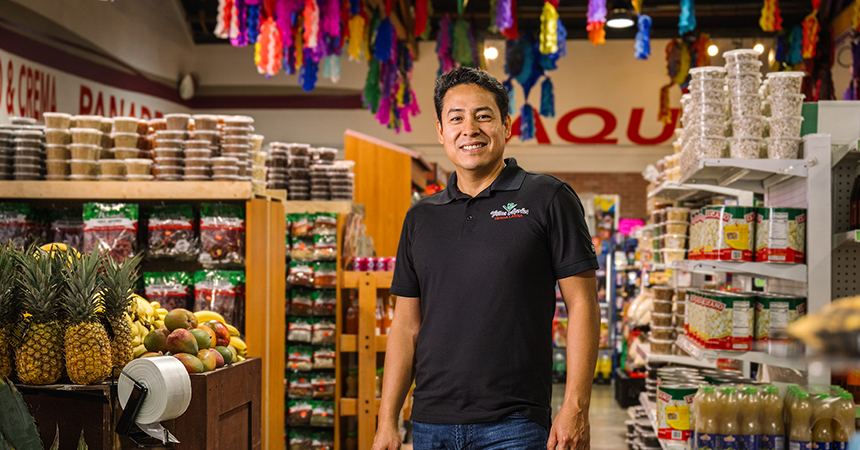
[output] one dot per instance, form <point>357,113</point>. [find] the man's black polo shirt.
<point>485,270</point>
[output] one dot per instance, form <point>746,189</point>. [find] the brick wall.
<point>631,187</point>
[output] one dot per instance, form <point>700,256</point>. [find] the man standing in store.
<point>475,278</point>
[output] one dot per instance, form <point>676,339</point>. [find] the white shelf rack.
<point>644,351</point>
<point>846,239</point>
<point>676,191</point>
<point>797,272</point>
<point>651,410</point>
<point>755,175</point>
<point>697,352</point>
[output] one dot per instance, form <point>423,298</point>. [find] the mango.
<point>226,354</point>
<point>208,359</point>
<point>156,340</point>
<point>212,338</point>
<point>221,332</point>
<point>191,362</point>
<point>151,354</point>
<point>180,318</point>
<point>219,360</point>
<point>202,337</point>
<point>182,341</point>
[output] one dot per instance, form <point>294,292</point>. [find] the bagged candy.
<point>222,291</point>
<point>170,289</point>
<point>112,228</point>
<point>13,223</point>
<point>323,332</point>
<point>171,232</point>
<point>222,234</point>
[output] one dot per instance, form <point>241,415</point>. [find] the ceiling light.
<point>713,50</point>
<point>491,53</point>
<point>621,15</point>
<point>759,48</point>
<point>771,56</point>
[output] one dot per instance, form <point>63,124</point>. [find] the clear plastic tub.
<point>225,177</point>
<point>56,136</point>
<point>168,153</point>
<point>26,160</point>
<point>197,144</point>
<point>744,67</point>
<point>747,126</point>
<point>786,104</point>
<point>740,55</point>
<point>125,139</point>
<point>745,148</point>
<point>708,129</point>
<point>59,167</point>
<point>110,178</point>
<point>139,177</point>
<point>190,177</point>
<point>125,153</point>
<point>744,84</point>
<point>707,108</point>
<point>785,83</point>
<point>708,72</point>
<point>86,136</point>
<point>783,147</point>
<point>746,105</point>
<point>178,122</point>
<point>93,122</point>
<point>786,126</point>
<point>83,167</point>
<point>238,121</point>
<point>29,152</point>
<point>236,140</point>
<point>224,162</point>
<point>125,124</point>
<point>169,143</point>
<point>663,333</point>
<point>674,241</point>
<point>85,151</point>
<point>205,122</point>
<point>710,147</point>
<point>57,120</point>
<point>237,131</point>
<point>57,152</point>
<point>707,84</point>
<point>27,143</point>
<point>693,119</point>
<point>197,171</point>
<point>168,161</point>
<point>225,170</point>
<point>137,167</point>
<point>672,255</point>
<point>209,135</point>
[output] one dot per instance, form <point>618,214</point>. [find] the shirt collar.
<point>510,179</point>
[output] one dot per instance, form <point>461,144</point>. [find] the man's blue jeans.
<point>514,432</point>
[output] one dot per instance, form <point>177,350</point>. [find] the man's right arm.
<point>399,370</point>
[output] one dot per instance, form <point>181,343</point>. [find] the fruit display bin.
<point>225,411</point>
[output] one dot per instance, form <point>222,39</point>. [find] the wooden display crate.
<point>225,412</point>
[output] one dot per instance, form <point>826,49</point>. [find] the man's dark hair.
<point>468,75</point>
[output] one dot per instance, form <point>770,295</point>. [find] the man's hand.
<point>570,431</point>
<point>387,438</point>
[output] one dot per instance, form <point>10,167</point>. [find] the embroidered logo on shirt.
<point>510,211</point>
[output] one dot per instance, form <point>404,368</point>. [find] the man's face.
<point>472,128</point>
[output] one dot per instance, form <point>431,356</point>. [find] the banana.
<point>240,358</point>
<point>206,316</point>
<point>142,330</point>
<point>233,331</point>
<point>139,350</point>
<point>158,324</point>
<point>239,345</point>
<point>155,305</point>
<point>136,341</point>
<point>161,312</point>
<point>142,304</point>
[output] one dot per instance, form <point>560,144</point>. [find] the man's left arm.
<point>571,429</point>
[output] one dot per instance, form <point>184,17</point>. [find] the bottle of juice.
<point>707,418</point>
<point>822,417</point>
<point>843,422</point>
<point>730,429</point>
<point>790,398</point>
<point>750,418</point>
<point>773,428</point>
<point>800,433</point>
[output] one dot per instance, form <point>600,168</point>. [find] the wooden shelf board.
<point>348,343</point>
<point>349,407</point>
<point>351,279</point>
<point>126,190</point>
<point>295,207</point>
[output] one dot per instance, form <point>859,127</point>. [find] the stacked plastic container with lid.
<point>784,105</point>
<point>299,172</point>
<point>704,117</point>
<point>235,143</point>
<point>744,80</point>
<point>277,163</point>
<point>169,147</point>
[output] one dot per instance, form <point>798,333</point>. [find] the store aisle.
<point>608,431</point>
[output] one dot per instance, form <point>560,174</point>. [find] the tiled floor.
<point>607,419</point>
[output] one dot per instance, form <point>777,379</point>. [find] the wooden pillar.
<point>366,342</point>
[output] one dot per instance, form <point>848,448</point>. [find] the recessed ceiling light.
<point>491,53</point>
<point>759,47</point>
<point>713,50</point>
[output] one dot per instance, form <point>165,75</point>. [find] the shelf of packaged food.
<point>746,174</point>
<point>651,410</point>
<point>847,238</point>
<point>644,350</point>
<point>349,407</point>
<point>797,272</point>
<point>698,352</point>
<point>349,343</point>
<point>127,190</point>
<point>383,279</point>
<point>673,190</point>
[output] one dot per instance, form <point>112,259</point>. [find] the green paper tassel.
<point>372,92</point>
<point>462,46</point>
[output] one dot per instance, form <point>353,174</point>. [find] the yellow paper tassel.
<point>300,54</point>
<point>356,37</point>
<point>257,56</point>
<point>855,21</point>
<point>549,29</point>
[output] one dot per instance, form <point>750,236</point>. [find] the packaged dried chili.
<point>324,224</point>
<point>303,248</point>
<point>300,412</point>
<point>171,233</point>
<point>325,274</point>
<point>302,304</point>
<point>324,357</point>
<point>300,329</point>
<point>67,227</point>
<point>170,289</point>
<point>300,358</point>
<point>322,440</point>
<point>323,332</point>
<point>323,414</point>
<point>112,228</point>
<point>300,226</point>
<point>323,385</point>
<point>300,385</point>
<point>325,247</point>
<point>325,302</point>
<point>222,291</point>
<point>301,273</point>
<point>222,234</point>
<point>13,223</point>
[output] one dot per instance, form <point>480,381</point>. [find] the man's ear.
<point>439,132</point>
<point>508,126</point>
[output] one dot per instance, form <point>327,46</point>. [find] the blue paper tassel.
<point>562,39</point>
<point>383,46</point>
<point>687,19</point>
<point>547,99</point>
<point>253,23</point>
<point>795,49</point>
<point>642,46</point>
<point>354,7</point>
<point>512,106</point>
<point>308,73</point>
<point>527,123</point>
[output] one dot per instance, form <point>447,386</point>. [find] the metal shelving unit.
<point>699,353</point>
<point>644,351</point>
<point>676,191</point>
<point>651,410</point>
<point>754,269</point>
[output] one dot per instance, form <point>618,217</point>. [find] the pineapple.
<point>8,306</point>
<point>118,296</point>
<point>88,353</point>
<point>39,357</point>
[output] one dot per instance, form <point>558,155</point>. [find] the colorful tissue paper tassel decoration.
<point>596,19</point>
<point>687,19</point>
<point>699,51</point>
<point>527,123</point>
<point>239,38</point>
<point>356,37</point>
<point>445,45</point>
<point>311,23</point>
<point>811,28</point>
<point>511,32</point>
<point>642,45</point>
<point>547,98</point>
<point>224,17</point>
<point>271,50</point>
<point>525,64</point>
<point>253,23</point>
<point>771,18</point>
<point>421,15</point>
<point>504,16</point>
<point>549,29</point>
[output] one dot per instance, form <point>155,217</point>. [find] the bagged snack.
<point>323,386</point>
<point>322,440</point>
<point>300,439</point>
<point>67,227</point>
<point>323,414</point>
<point>324,357</point>
<point>300,226</point>
<point>325,302</point>
<point>323,332</point>
<point>222,291</point>
<point>301,273</point>
<point>324,224</point>
<point>171,232</point>
<point>302,248</point>
<point>300,358</point>
<point>325,247</point>
<point>300,412</point>
<point>299,329</point>
<point>222,234</point>
<point>13,223</point>
<point>302,302</point>
<point>300,385</point>
<point>112,228</point>
<point>325,274</point>
<point>170,289</point>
